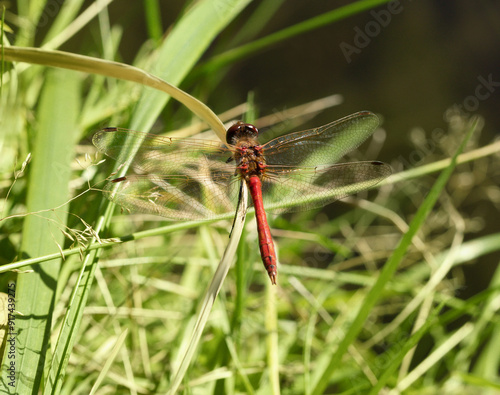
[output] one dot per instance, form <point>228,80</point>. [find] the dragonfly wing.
<point>288,189</point>
<point>323,145</point>
<point>175,197</point>
<point>149,153</point>
<point>180,179</point>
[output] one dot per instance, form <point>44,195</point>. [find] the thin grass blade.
<point>113,354</point>
<point>211,294</point>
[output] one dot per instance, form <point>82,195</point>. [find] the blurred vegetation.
<point>393,290</point>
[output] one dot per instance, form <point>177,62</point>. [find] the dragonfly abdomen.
<point>266,245</point>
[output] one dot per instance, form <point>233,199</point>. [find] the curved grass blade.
<point>108,68</point>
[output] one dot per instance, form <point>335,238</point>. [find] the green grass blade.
<point>73,316</point>
<point>390,267</point>
<point>31,11</point>
<point>113,354</point>
<point>439,353</point>
<point>487,365</point>
<point>257,21</point>
<point>69,11</point>
<point>48,187</point>
<point>395,360</point>
<point>272,343</point>
<point>2,63</point>
<point>154,25</point>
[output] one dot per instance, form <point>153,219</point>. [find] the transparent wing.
<point>321,146</point>
<point>288,189</point>
<point>149,153</point>
<point>181,179</point>
<point>176,197</point>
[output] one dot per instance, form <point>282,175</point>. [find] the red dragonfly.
<point>189,179</point>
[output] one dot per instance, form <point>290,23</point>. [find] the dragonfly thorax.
<point>248,153</point>
<point>249,160</point>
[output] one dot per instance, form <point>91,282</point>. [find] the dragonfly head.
<point>241,130</point>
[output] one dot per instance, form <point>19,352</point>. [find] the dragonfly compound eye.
<point>239,130</point>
